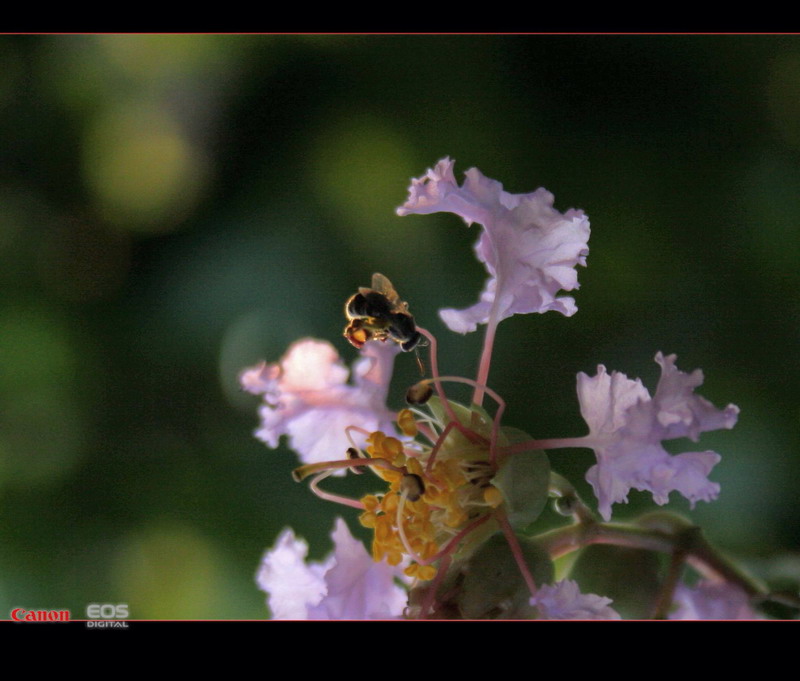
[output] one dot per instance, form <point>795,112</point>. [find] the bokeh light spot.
<point>143,172</point>
<point>355,166</point>
<point>168,571</point>
<point>155,57</point>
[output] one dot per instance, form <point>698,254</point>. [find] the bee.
<point>379,314</point>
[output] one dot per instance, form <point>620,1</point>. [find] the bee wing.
<point>382,285</point>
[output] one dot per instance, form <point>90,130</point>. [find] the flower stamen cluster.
<point>426,507</point>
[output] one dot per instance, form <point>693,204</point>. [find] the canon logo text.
<point>22,615</point>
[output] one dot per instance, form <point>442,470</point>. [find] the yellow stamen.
<point>493,496</point>
<point>371,502</point>
<point>389,503</point>
<point>421,572</point>
<point>407,423</point>
<point>392,447</point>
<point>375,440</point>
<point>383,528</point>
<point>394,558</point>
<point>415,468</point>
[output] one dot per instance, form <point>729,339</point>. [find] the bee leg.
<point>420,363</point>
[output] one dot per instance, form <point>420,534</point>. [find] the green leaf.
<point>523,479</point>
<point>630,577</point>
<point>493,587</point>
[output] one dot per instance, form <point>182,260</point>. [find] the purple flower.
<point>529,248</point>
<point>308,398</point>
<point>712,601</point>
<point>346,585</point>
<point>627,426</point>
<point>564,601</point>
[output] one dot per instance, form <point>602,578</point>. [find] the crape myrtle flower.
<point>712,601</point>
<point>564,601</point>
<point>627,427</point>
<point>307,397</point>
<point>346,585</point>
<point>530,249</point>
<point>452,476</point>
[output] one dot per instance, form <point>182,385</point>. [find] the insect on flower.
<point>379,314</point>
<point>458,490</point>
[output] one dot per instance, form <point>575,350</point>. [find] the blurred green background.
<point>175,208</point>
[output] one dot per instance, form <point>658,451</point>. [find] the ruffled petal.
<point>347,585</point>
<point>712,601</point>
<point>358,588</point>
<point>292,585</point>
<point>261,380</point>
<point>307,397</point>
<point>650,468</point>
<point>564,601</point>
<point>311,366</point>
<point>680,413</point>
<point>606,398</point>
<point>627,428</point>
<point>530,249</point>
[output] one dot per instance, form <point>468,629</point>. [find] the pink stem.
<point>491,329</point>
<point>486,360</point>
<point>435,371</point>
<point>445,556</point>
<point>553,443</point>
<point>430,595</point>
<point>501,407</point>
<point>442,437</point>
<point>358,429</point>
<point>322,494</point>
<point>427,432</point>
<point>455,540</point>
<point>516,549</point>
<point>471,435</point>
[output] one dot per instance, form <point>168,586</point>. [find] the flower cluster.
<point>453,479</point>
